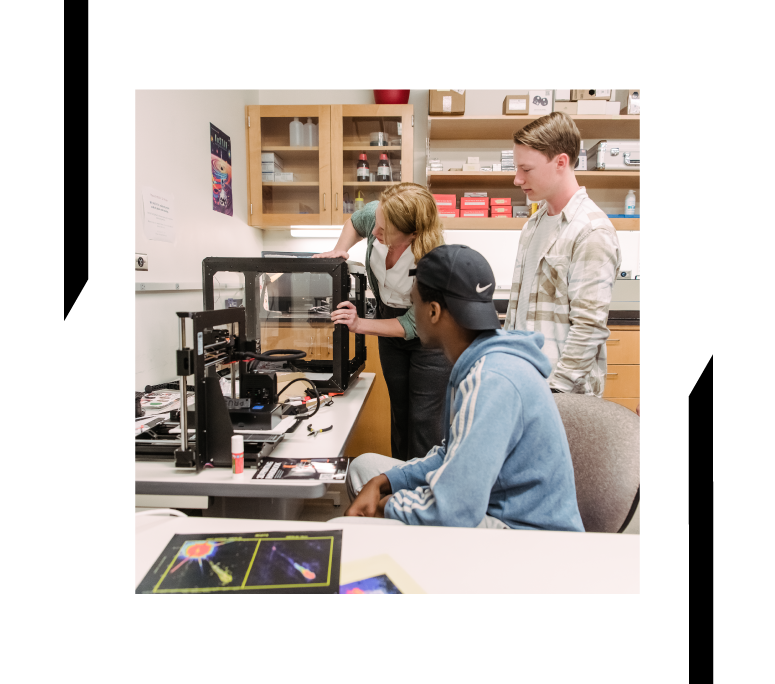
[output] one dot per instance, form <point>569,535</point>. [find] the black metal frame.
<point>343,369</point>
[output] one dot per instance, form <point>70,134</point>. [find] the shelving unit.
<point>468,130</point>
<point>325,172</point>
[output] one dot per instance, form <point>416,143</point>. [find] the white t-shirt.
<point>395,283</point>
<point>535,251</point>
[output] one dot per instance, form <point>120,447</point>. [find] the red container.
<point>481,213</point>
<point>391,97</point>
<point>474,202</point>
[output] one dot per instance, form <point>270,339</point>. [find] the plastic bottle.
<point>297,132</point>
<point>310,130</point>
<point>581,162</point>
<point>383,168</point>
<point>237,456</point>
<point>362,170</point>
<point>629,204</point>
<point>360,202</point>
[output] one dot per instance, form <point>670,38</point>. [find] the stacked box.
<point>499,210</point>
<point>449,213</point>
<point>445,201</point>
<point>474,203</point>
<point>481,213</point>
<point>435,165</point>
<point>271,158</point>
<point>500,202</point>
<point>283,177</point>
<point>507,160</point>
<point>474,194</point>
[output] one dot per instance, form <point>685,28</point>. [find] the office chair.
<point>604,441</point>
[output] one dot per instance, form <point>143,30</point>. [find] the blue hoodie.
<point>505,453</point>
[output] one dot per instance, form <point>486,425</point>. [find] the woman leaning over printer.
<point>400,228</point>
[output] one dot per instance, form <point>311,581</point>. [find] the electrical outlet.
<point>141,262</point>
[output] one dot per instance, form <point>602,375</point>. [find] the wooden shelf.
<point>590,179</point>
<point>295,184</point>
<point>286,148</point>
<point>503,127</point>
<point>367,184</point>
<point>376,148</point>
<point>517,223</point>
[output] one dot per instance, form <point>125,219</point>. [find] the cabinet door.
<point>352,127</point>
<point>306,200</point>
<point>623,347</point>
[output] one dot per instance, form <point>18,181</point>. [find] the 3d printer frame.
<point>342,368</point>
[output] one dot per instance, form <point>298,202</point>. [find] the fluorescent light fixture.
<point>307,232</point>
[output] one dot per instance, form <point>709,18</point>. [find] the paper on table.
<point>159,212</point>
<point>375,566</point>
<point>280,429</point>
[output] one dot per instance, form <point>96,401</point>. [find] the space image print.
<point>220,160</point>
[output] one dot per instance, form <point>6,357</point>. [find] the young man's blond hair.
<point>551,135</point>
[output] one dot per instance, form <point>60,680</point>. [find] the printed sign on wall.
<point>220,160</point>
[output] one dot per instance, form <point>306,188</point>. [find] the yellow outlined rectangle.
<point>257,540</point>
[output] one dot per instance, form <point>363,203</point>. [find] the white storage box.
<point>614,155</point>
<point>271,158</point>
<point>591,107</point>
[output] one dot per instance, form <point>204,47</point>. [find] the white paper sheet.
<point>159,212</point>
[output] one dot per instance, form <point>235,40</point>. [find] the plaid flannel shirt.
<point>571,293</point>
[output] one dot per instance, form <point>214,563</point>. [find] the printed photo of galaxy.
<point>220,162</point>
<point>274,562</point>
<point>371,585</point>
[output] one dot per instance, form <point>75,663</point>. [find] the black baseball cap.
<point>467,282</point>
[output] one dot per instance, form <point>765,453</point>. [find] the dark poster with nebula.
<point>220,160</point>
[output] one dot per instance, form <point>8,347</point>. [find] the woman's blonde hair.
<point>410,208</point>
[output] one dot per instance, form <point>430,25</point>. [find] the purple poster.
<point>220,160</point>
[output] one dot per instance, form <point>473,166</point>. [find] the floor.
<point>322,510</point>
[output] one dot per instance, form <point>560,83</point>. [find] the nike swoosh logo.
<point>482,289</point>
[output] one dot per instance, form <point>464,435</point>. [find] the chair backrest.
<point>604,441</point>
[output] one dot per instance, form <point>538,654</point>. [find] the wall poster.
<point>220,160</point>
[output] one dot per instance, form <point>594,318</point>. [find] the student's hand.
<point>346,314</point>
<point>368,500</point>
<point>333,254</point>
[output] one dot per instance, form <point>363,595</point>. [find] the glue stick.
<point>237,456</point>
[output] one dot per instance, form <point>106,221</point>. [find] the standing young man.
<point>567,259</point>
<point>505,461</point>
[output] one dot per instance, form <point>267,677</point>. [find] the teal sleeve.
<point>364,219</point>
<point>407,321</point>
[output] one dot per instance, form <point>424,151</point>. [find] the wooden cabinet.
<point>475,133</point>
<point>622,383</point>
<point>323,175</point>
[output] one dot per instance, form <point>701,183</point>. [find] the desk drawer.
<point>623,347</point>
<point>622,381</point>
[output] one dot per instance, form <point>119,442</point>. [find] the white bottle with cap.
<point>237,456</point>
<point>629,204</point>
<point>310,133</point>
<point>297,132</point>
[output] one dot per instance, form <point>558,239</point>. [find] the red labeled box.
<point>445,201</point>
<point>500,201</point>
<point>474,202</point>
<point>481,213</point>
<point>501,211</point>
<point>449,213</point>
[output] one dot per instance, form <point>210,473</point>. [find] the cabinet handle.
<point>610,339</point>
<point>607,374</point>
<point>324,201</point>
<point>336,201</point>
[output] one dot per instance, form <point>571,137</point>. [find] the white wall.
<point>172,145</point>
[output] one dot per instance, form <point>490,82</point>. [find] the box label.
<point>446,103</point>
<point>517,105</point>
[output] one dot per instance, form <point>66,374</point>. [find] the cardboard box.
<point>633,102</point>
<point>591,94</point>
<point>270,167</point>
<point>449,213</point>
<point>470,213</point>
<point>473,160</point>
<point>612,108</point>
<point>444,102</point>
<point>562,96</point>
<point>474,194</point>
<point>591,106</point>
<point>501,211</point>
<point>540,102</point>
<point>500,201</point>
<point>496,166</point>
<point>267,177</point>
<point>570,108</point>
<point>445,201</point>
<point>283,177</point>
<point>272,158</point>
<point>474,202</point>
<point>515,104</point>
<point>470,167</point>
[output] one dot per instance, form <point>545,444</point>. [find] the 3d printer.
<point>288,304</point>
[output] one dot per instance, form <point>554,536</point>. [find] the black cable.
<point>317,394</point>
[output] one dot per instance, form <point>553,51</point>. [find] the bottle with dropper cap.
<point>297,132</point>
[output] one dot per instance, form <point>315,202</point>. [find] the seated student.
<point>505,462</point>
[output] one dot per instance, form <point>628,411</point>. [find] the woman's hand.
<point>333,254</point>
<point>346,314</point>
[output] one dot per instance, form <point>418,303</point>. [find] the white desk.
<point>447,560</point>
<point>162,477</point>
